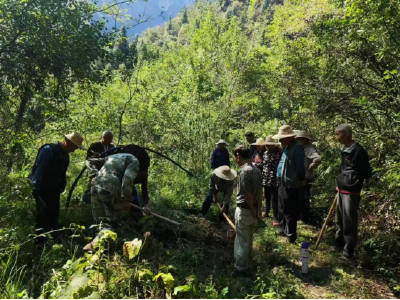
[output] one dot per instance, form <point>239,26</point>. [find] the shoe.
<point>290,241</point>
<point>275,223</point>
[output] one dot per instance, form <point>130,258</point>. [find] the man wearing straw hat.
<point>220,156</point>
<point>270,183</point>
<point>221,182</point>
<point>49,180</point>
<point>292,175</point>
<point>258,155</point>
<point>312,161</point>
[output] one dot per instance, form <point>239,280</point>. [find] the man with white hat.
<point>292,176</point>
<point>220,156</point>
<point>221,182</point>
<point>48,176</point>
<point>312,161</point>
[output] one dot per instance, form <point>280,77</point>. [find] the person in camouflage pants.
<point>113,179</point>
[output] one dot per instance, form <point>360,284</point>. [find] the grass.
<point>198,257</point>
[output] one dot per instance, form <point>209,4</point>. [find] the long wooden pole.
<point>331,210</point>
<point>157,216</point>
<point>226,217</point>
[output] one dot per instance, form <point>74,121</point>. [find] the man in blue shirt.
<point>220,156</point>
<point>291,174</point>
<point>49,180</point>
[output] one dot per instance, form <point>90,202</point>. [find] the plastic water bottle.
<point>304,258</point>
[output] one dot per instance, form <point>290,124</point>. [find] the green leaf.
<point>131,249</point>
<point>182,288</point>
<point>143,272</point>
<point>168,279</point>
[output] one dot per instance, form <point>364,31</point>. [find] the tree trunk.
<point>18,125</point>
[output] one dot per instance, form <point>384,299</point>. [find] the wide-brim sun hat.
<point>259,142</point>
<point>303,134</point>
<point>221,142</point>
<point>76,139</point>
<point>284,132</point>
<point>269,141</point>
<point>224,172</point>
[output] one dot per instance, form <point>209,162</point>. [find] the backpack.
<point>34,167</point>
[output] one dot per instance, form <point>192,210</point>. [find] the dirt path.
<point>328,277</point>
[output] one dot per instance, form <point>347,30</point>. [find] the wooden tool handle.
<point>331,210</point>
<point>226,217</point>
<point>157,216</point>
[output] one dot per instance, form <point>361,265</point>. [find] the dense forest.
<point>216,71</point>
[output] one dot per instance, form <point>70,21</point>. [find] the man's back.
<point>50,168</point>
<point>250,181</point>
<point>116,167</point>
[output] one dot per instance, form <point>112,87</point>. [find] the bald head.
<point>107,137</point>
<point>344,134</point>
<point>345,128</point>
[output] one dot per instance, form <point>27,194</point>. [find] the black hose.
<point>73,186</point>
<point>167,158</point>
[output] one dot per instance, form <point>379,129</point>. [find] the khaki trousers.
<point>243,248</point>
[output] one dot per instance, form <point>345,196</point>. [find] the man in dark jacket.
<point>251,139</point>
<point>354,170</point>
<point>94,151</point>
<point>106,143</point>
<point>220,156</point>
<point>49,180</point>
<point>291,173</point>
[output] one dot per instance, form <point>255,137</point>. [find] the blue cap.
<point>305,245</point>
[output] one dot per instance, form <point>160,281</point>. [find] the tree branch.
<point>131,93</point>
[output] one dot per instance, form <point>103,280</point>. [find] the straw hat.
<point>221,142</point>
<point>224,172</point>
<point>303,134</point>
<point>270,141</point>
<point>284,132</point>
<point>76,139</point>
<point>259,142</point>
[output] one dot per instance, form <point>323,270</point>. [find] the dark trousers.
<point>288,206</point>
<point>47,211</point>
<point>305,197</point>
<point>207,203</point>
<point>271,195</point>
<point>347,222</point>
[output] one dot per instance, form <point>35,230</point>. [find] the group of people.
<point>113,173</point>
<point>277,170</point>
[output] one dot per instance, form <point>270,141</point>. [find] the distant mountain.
<point>155,8</point>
